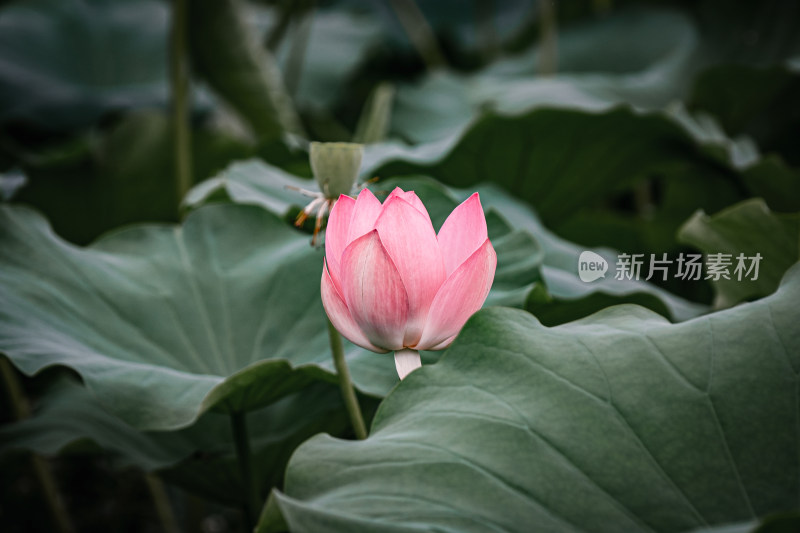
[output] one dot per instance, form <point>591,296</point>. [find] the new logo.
<point>591,266</point>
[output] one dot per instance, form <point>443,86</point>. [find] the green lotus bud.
<point>335,166</point>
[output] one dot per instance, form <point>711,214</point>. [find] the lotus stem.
<point>244,458</point>
<point>41,468</point>
<point>297,52</point>
<point>161,502</point>
<point>376,115</point>
<point>278,31</point>
<point>346,384</point>
<point>484,10</point>
<point>179,73</point>
<point>602,7</point>
<point>548,38</point>
<point>419,32</point>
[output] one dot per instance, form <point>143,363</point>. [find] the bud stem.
<point>179,73</point>
<point>406,360</point>
<point>250,493</point>
<point>348,392</point>
<point>548,38</point>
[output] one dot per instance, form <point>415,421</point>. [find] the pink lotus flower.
<point>390,283</point>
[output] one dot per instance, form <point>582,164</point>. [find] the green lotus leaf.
<point>166,322</point>
<point>620,421</point>
<point>768,242</point>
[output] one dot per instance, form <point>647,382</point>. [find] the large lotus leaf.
<point>66,63</point>
<point>617,422</point>
<point>641,57</point>
<point>520,269</point>
<point>768,242</point>
<point>200,458</point>
<point>166,322</point>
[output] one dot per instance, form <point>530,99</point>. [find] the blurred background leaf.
<point>226,54</point>
<point>67,64</point>
<point>759,102</point>
<point>104,180</point>
<point>751,230</point>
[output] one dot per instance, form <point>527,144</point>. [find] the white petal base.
<point>405,361</point>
